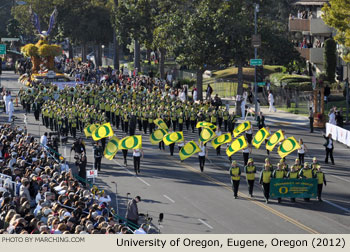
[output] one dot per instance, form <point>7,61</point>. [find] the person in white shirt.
<point>137,155</point>
<point>141,230</point>
<point>10,110</point>
<point>182,96</point>
<point>243,108</point>
<point>301,151</point>
<point>332,117</point>
<point>202,155</point>
<point>246,151</point>
<point>7,98</point>
<point>181,144</point>
<point>218,133</point>
<point>43,139</point>
<point>249,134</point>
<point>195,95</point>
<point>271,102</point>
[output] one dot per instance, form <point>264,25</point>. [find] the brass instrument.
<point>88,89</point>
<point>55,88</point>
<point>30,91</point>
<point>101,89</point>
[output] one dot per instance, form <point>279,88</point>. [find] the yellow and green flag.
<point>260,137</point>
<point>90,129</point>
<point>131,142</point>
<point>111,148</point>
<point>161,124</point>
<point>157,136</point>
<point>238,144</point>
<point>241,128</point>
<point>288,146</point>
<point>105,130</point>
<point>226,138</point>
<point>188,150</point>
<point>206,135</point>
<point>173,137</point>
<point>206,125</point>
<point>274,139</point>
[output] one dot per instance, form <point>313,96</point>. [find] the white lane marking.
<point>337,206</point>
<point>340,178</point>
<point>206,224</point>
<point>173,201</point>
<point>143,181</point>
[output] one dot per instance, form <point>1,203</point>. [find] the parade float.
<point>42,55</point>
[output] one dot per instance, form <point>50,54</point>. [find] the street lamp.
<point>256,10</point>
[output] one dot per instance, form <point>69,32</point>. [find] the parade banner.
<point>161,124</point>
<point>206,135</point>
<point>174,137</point>
<point>226,138</point>
<point>188,150</point>
<point>241,128</point>
<point>260,137</point>
<point>131,142</point>
<point>288,146</point>
<point>331,129</point>
<point>157,136</point>
<point>293,188</point>
<point>111,148</point>
<point>239,144</point>
<point>342,135</point>
<point>105,130</point>
<point>274,139</point>
<point>206,125</point>
<point>89,129</point>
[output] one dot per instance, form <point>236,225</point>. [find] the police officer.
<point>265,179</point>
<point>98,152</point>
<point>321,179</point>
<point>279,173</point>
<point>235,173</point>
<point>250,171</point>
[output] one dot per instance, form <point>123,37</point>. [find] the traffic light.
<point>339,73</point>
<point>260,77</point>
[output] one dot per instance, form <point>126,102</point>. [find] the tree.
<point>5,16</point>
<point>336,15</point>
<point>134,19</point>
<point>330,59</point>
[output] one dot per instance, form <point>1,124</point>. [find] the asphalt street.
<point>195,202</point>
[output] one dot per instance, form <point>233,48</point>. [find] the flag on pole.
<point>131,142</point>
<point>173,137</point>
<point>105,130</point>
<point>288,146</point>
<point>205,125</point>
<point>157,136</point>
<point>238,144</point>
<point>226,138</point>
<point>188,150</point>
<point>260,137</point>
<point>111,148</point>
<point>206,135</point>
<point>274,139</point>
<point>241,128</point>
<point>89,129</point>
<point>161,124</point>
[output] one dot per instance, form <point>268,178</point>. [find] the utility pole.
<point>256,10</point>
<point>115,43</point>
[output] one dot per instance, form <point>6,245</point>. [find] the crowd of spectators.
<point>39,194</point>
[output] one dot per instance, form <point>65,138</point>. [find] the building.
<point>309,33</point>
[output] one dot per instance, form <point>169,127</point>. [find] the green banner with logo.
<point>293,188</point>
